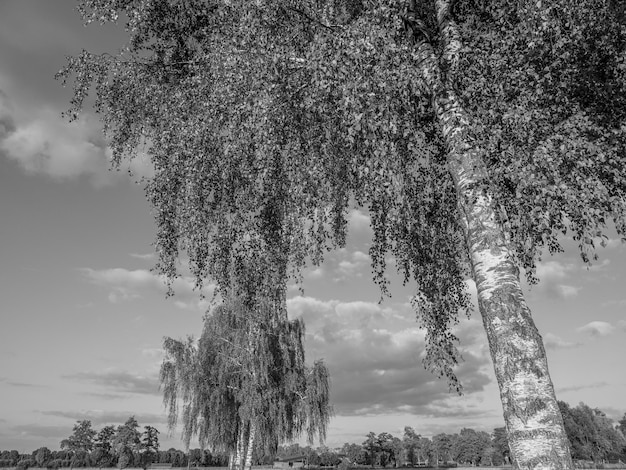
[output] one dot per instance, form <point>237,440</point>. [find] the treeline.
<point>592,435</point>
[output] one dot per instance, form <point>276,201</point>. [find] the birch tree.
<point>476,134</point>
<point>245,384</point>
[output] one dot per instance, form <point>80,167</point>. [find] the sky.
<point>82,317</point>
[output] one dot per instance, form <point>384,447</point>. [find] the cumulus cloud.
<point>127,284</point>
<point>553,277</point>
<point>119,381</point>
<point>552,341</point>
<point>359,220</point>
<point>373,351</point>
<point>597,328</point>
<point>50,145</point>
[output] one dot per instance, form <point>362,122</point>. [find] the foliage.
<point>546,83</point>
<point>102,456</point>
<point>246,368</point>
<point>222,92</point>
<point>42,455</point>
<point>82,438</point>
<point>501,444</point>
<point>470,447</point>
<point>149,446</point>
<point>591,433</point>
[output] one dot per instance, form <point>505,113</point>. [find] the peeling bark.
<point>535,430</point>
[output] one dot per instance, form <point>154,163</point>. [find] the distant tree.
<point>246,381</point>
<point>149,446</point>
<point>469,446</point>
<point>354,453</point>
<point>82,438</point>
<point>397,448</point>
<point>103,455</point>
<point>127,442</point>
<point>622,425</point>
<point>195,457</point>
<point>385,446</point>
<point>410,442</point>
<point>442,445</point>
<point>371,445</point>
<point>42,456</point>
<point>501,444</point>
<point>591,433</point>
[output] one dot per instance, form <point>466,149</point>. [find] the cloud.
<point>552,341</point>
<point>576,388</point>
<point>7,124</point>
<point>120,381</point>
<point>126,284</point>
<point>373,353</point>
<point>101,417</point>
<point>359,220</point>
<point>144,256</point>
<point>622,324</point>
<point>18,384</point>
<point>48,144</point>
<point>552,280</point>
<point>597,328</point>
<point>38,430</point>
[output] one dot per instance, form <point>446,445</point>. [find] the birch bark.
<point>535,431</point>
<point>248,461</point>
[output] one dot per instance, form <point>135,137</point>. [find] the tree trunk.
<point>534,424</point>
<point>250,450</point>
<point>239,450</point>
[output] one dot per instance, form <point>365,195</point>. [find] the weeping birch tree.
<point>245,383</point>
<point>477,135</point>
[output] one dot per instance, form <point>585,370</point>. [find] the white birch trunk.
<point>239,449</point>
<point>535,430</point>
<point>250,450</point>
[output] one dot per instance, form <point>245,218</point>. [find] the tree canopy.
<point>476,134</point>
<point>265,121</point>
<point>244,375</point>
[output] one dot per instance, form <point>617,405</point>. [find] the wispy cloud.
<point>552,341</point>
<point>576,388</point>
<point>13,383</point>
<point>120,381</point>
<point>144,256</point>
<point>597,328</point>
<point>100,417</point>
<point>128,284</point>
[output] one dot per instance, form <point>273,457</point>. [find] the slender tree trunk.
<point>239,450</point>
<point>534,424</point>
<point>251,437</point>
